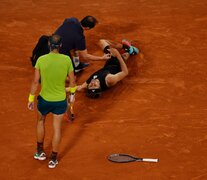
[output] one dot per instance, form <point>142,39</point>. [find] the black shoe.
<point>81,66</point>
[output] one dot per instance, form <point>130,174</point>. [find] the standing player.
<point>53,69</point>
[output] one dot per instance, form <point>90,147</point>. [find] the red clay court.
<point>158,111</point>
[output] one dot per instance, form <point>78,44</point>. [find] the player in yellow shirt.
<point>52,69</point>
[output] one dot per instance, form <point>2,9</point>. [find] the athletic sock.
<point>39,147</point>
<point>76,61</point>
<point>53,156</point>
<point>125,47</point>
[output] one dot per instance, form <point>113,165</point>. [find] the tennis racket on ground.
<point>125,158</point>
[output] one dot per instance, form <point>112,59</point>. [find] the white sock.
<point>76,60</point>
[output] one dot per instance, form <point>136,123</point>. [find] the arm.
<point>112,79</point>
<point>82,86</point>
<point>84,54</point>
<point>71,79</point>
<point>79,88</point>
<point>33,90</point>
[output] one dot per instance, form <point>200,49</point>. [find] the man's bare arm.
<point>34,87</point>
<point>84,54</point>
<point>113,79</point>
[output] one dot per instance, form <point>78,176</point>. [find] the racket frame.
<point>138,159</point>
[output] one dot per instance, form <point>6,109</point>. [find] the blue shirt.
<point>72,36</point>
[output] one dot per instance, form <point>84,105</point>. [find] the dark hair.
<point>106,50</point>
<point>89,21</point>
<point>55,41</point>
<point>93,93</point>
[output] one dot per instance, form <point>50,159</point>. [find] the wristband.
<point>31,98</point>
<point>72,90</point>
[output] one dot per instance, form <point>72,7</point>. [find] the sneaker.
<point>81,66</point>
<point>129,48</point>
<point>52,163</point>
<point>133,50</point>
<point>40,156</point>
<point>126,43</point>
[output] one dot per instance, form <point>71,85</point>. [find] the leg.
<point>77,64</point>
<point>40,154</point>
<point>75,59</point>
<point>103,43</point>
<point>57,122</point>
<point>40,127</point>
<point>125,45</point>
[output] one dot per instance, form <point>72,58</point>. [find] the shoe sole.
<point>40,158</point>
<point>136,50</point>
<point>51,167</point>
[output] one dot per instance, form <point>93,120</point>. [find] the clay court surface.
<point>158,111</point>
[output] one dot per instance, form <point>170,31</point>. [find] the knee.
<point>103,43</point>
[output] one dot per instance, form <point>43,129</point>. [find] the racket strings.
<point>121,158</point>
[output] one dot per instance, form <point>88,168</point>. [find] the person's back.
<point>54,69</point>
<point>72,34</point>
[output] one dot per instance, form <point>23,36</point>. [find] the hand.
<point>114,52</point>
<point>106,56</point>
<point>30,106</point>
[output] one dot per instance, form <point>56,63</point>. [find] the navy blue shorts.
<point>45,107</point>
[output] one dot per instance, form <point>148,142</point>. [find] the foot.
<point>133,50</point>
<point>52,163</point>
<point>126,43</point>
<point>129,48</point>
<point>40,156</point>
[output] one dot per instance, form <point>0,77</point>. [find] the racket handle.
<point>149,160</point>
<point>72,97</point>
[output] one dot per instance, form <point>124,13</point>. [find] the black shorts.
<point>112,61</point>
<point>45,107</point>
